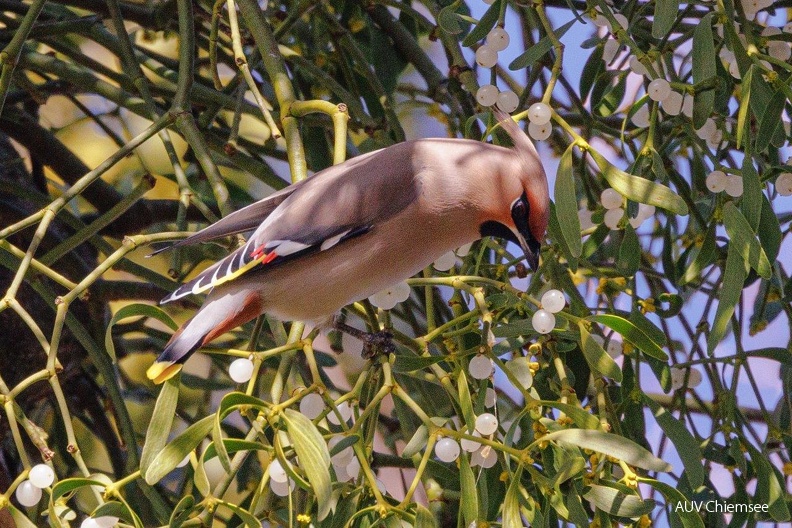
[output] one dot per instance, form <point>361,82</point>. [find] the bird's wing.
<point>246,219</point>
<point>327,209</point>
<point>257,254</point>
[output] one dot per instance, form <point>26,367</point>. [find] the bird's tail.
<point>220,313</point>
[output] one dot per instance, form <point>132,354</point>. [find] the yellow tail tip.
<point>161,372</point>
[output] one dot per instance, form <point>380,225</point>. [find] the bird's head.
<point>526,197</point>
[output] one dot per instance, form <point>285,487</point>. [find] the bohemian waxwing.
<point>359,227</point>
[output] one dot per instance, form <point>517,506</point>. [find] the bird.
<point>359,227</point>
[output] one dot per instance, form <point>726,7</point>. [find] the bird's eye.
<point>519,208</point>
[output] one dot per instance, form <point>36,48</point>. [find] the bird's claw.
<point>379,342</point>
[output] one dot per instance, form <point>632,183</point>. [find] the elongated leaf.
<point>314,457</point>
<point>701,257</point>
<point>734,275</point>
<point>768,488</point>
<point>484,26</point>
<point>62,487</point>
<point>770,121</point>
<point>596,356</point>
<point>745,105</point>
<point>538,50</point>
<point>232,445</point>
<point>134,310</point>
<point>703,70</point>
<point>448,19</point>
<point>581,418</point>
<point>161,422</point>
<point>467,484</point>
<point>744,242</point>
<point>751,203</point>
<point>571,467</point>
<point>409,362</point>
<point>617,503</point>
<point>770,234</point>
<point>166,460</point>
<point>665,14</point>
<point>248,518</point>
<point>686,446</point>
<point>629,252</point>
<point>673,497</point>
<point>567,204</point>
<point>631,333</point>
<point>511,503</point>
<point>20,519</point>
<point>639,189</point>
<point>217,439</point>
<point>466,402</point>
<point>424,518</point>
<point>611,445</point>
<point>182,511</point>
<point>417,442</point>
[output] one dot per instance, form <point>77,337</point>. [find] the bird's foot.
<point>373,343</point>
<point>381,342</point>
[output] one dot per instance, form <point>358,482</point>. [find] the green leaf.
<point>424,518</point>
<point>466,402</point>
<point>232,445</point>
<point>751,203</point>
<point>577,513</point>
<point>567,204</point>
<point>687,447</point>
<point>314,457</point>
<point>596,356</point>
<point>581,417</point>
<point>770,121</point>
<point>519,328</point>
<point>511,502</point>
<point>617,503</point>
<point>571,467</point>
<point>770,234</point>
<point>249,520</point>
<point>538,50</point>
<point>448,19</point>
<point>19,518</point>
<point>703,70</point>
<point>629,252</point>
<point>182,511</point>
<point>161,422</point>
<point>62,487</point>
<point>745,104</point>
<point>484,26</point>
<point>734,275</point>
<point>744,242</point>
<point>467,484</point>
<point>217,439</point>
<point>593,68</point>
<point>636,336</point>
<point>768,487</point>
<point>417,442</point>
<point>611,445</point>
<point>673,497</point>
<point>134,310</point>
<point>639,189</point>
<point>702,257</point>
<point>409,362</point>
<point>166,460</point>
<point>665,14</point>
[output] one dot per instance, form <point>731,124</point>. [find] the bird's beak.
<point>530,247</point>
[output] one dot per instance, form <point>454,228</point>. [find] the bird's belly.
<point>315,287</point>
